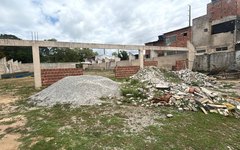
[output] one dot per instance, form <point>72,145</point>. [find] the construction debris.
<point>77,90</point>
<point>196,92</point>
<point>169,115</point>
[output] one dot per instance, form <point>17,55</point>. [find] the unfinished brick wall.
<point>182,36</point>
<point>151,63</point>
<point>125,71</point>
<point>223,8</point>
<point>50,76</point>
<point>181,64</point>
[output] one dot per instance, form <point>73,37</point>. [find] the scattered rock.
<point>169,115</point>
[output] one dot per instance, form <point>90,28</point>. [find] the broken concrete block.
<point>209,93</point>
<point>223,112</point>
<point>180,109</point>
<point>163,86</point>
<point>129,95</point>
<point>213,111</point>
<point>238,107</point>
<point>204,101</point>
<point>169,115</point>
<point>119,103</point>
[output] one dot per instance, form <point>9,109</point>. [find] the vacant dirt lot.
<point>109,126</point>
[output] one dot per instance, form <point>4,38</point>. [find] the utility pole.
<point>190,14</point>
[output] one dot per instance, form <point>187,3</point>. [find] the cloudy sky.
<point>97,21</point>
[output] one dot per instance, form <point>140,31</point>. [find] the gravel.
<point>77,90</point>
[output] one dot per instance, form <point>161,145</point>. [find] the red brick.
<point>50,76</point>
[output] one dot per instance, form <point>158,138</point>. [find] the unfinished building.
<point>174,38</point>
<point>216,36</point>
<point>219,29</point>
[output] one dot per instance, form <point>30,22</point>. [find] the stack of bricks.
<point>125,71</point>
<point>223,8</point>
<point>181,64</point>
<point>151,63</point>
<point>50,76</point>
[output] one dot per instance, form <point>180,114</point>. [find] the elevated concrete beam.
<point>36,57</point>
<point>7,42</point>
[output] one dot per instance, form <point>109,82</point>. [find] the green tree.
<point>9,36</point>
<point>115,54</point>
<point>47,54</point>
<point>123,55</point>
<point>23,54</point>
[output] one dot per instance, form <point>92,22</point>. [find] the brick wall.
<point>181,38</point>
<point>125,71</point>
<point>223,8</point>
<point>181,64</point>
<point>151,63</point>
<point>238,8</point>
<point>50,76</point>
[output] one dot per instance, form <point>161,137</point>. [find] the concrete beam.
<point>7,42</point>
<point>36,57</point>
<point>36,66</point>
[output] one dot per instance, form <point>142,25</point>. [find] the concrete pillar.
<point>36,66</point>
<point>141,59</point>
<point>191,55</point>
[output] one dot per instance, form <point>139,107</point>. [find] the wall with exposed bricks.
<point>151,63</point>
<point>223,8</point>
<point>50,76</point>
<point>125,71</point>
<point>181,64</point>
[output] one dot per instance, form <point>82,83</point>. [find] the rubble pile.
<point>190,77</point>
<point>152,75</point>
<point>77,90</point>
<point>203,96</point>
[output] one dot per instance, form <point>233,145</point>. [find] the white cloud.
<point>105,21</point>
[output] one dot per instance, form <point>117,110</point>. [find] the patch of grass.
<point>196,131</point>
<point>133,91</point>
<point>104,127</point>
<point>195,83</point>
<point>87,128</point>
<point>132,88</point>
<point>134,82</point>
<point>228,86</point>
<point>233,94</point>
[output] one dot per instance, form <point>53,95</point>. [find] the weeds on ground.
<point>133,89</point>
